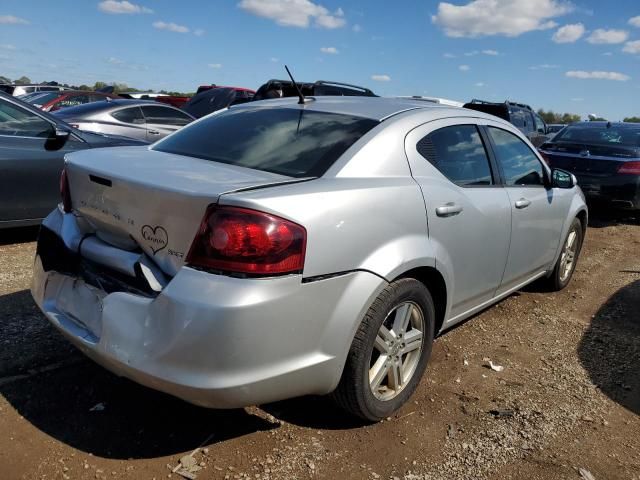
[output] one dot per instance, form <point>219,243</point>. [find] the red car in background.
<point>52,101</point>
<point>241,92</point>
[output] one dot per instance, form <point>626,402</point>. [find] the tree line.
<point>117,87</point>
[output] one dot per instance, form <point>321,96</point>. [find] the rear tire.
<point>566,264</point>
<point>389,352</point>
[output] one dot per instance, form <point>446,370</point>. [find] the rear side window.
<point>520,166</point>
<point>459,154</point>
<point>129,115</point>
<point>165,116</point>
<point>287,141</point>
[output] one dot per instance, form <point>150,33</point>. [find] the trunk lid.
<point>134,197</point>
<point>587,159</point>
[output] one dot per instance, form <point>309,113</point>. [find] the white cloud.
<point>121,7</point>
<point>12,20</point>
<point>7,46</point>
<point>480,84</point>
<point>569,33</point>
<point>295,13</point>
<point>602,36</point>
<point>544,66</point>
<point>471,54</point>
<point>577,99</point>
<point>329,50</point>
<point>198,32</point>
<point>635,21</point>
<point>608,54</point>
<point>171,27</point>
<point>464,68</point>
<point>448,55</point>
<point>492,53</point>
<point>214,65</point>
<point>356,28</point>
<point>115,61</point>
<point>274,59</point>
<point>632,47</point>
<point>498,17</point>
<point>381,78</point>
<point>620,77</point>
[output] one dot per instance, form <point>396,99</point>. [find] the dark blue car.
<point>604,156</point>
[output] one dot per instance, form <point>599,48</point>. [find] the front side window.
<point>16,122</point>
<point>165,116</point>
<point>459,154</point>
<point>286,141</point>
<point>520,166</point>
<point>129,115</point>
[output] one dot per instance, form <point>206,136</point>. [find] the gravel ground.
<point>566,405</point>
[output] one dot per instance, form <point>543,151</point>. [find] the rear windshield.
<point>592,135</point>
<point>287,141</point>
<point>43,98</point>
<point>83,110</point>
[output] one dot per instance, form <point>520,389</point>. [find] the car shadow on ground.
<point>601,216</point>
<point>610,348</point>
<point>18,235</point>
<point>70,398</point>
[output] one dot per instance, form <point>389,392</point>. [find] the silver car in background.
<point>285,248</point>
<point>144,120</point>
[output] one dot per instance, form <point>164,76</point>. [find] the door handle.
<point>523,203</point>
<point>448,210</point>
<point>154,132</point>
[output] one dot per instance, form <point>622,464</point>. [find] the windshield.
<point>287,141</point>
<point>42,98</point>
<point>614,136</point>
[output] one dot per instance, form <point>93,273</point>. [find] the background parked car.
<point>214,99</point>
<point>604,156</point>
<point>144,120</point>
<point>553,128</point>
<point>17,90</point>
<point>318,88</point>
<point>52,101</point>
<point>32,146</point>
<point>519,114</point>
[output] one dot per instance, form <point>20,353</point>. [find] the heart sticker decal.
<point>157,237</point>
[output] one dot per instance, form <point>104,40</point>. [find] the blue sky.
<point>581,57</point>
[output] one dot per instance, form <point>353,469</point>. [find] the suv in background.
<point>17,90</point>
<point>519,114</point>
<point>318,88</point>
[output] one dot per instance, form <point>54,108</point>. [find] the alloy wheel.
<point>396,351</point>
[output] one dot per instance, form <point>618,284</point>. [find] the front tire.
<point>389,352</point>
<point>566,264</point>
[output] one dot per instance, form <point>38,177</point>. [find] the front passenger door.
<point>538,213</point>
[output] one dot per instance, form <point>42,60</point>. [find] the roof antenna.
<point>301,100</point>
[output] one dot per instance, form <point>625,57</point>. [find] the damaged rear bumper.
<point>212,340</point>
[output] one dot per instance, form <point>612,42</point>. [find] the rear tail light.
<point>240,240</point>
<point>65,192</point>
<point>630,168</point>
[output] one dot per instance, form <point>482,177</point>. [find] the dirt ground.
<point>566,405</point>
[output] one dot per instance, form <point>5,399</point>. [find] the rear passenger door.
<point>468,211</point>
<point>538,212</point>
<point>161,121</point>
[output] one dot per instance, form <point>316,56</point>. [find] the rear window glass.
<point>613,136</point>
<point>287,141</point>
<point>43,98</point>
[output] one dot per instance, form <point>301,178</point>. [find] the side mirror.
<point>58,138</point>
<point>562,179</point>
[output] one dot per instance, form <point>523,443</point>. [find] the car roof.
<point>107,105</point>
<point>605,124</point>
<point>375,108</point>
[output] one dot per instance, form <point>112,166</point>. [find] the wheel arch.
<point>431,278</point>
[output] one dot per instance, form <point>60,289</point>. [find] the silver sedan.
<point>281,249</point>
<point>144,120</point>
